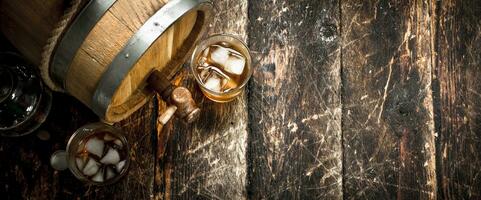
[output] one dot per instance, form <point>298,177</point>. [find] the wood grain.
<point>456,85</point>
<point>294,100</point>
<point>388,128</point>
<point>349,100</point>
<point>108,38</point>
<point>26,172</point>
<point>28,24</point>
<point>207,159</point>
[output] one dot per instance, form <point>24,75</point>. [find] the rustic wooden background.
<point>349,100</point>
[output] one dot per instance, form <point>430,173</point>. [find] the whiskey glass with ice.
<point>221,65</point>
<point>96,154</point>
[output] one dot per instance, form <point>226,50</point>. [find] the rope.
<point>48,49</point>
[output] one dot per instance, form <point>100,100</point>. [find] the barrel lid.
<point>122,64</point>
<point>152,29</point>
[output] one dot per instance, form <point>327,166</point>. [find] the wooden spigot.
<point>180,99</point>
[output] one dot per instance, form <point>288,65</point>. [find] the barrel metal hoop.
<point>126,59</point>
<point>74,38</point>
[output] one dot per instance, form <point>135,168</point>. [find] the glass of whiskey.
<point>221,65</point>
<point>97,154</point>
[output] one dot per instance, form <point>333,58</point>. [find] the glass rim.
<point>102,126</point>
<point>197,50</point>
<point>41,97</point>
<point>44,95</point>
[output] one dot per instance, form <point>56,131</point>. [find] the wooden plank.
<point>26,171</point>
<point>458,92</point>
<point>294,100</point>
<point>139,182</point>
<point>206,160</point>
<point>388,123</point>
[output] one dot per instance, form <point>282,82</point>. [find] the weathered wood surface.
<point>457,92</point>
<point>25,161</point>
<point>26,172</point>
<point>294,149</point>
<point>388,128</point>
<point>349,100</point>
<point>207,160</point>
<point>25,168</point>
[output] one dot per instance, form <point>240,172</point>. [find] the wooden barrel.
<point>28,24</point>
<point>106,53</point>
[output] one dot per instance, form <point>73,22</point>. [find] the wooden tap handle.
<point>161,85</point>
<point>179,97</point>
<point>186,107</point>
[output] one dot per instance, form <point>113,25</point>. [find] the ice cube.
<point>235,64</point>
<point>205,53</point>
<point>219,55</point>
<point>108,137</point>
<point>109,173</point>
<point>98,177</point>
<point>202,62</point>
<point>224,82</point>
<point>91,167</point>
<point>80,163</point>
<point>218,72</point>
<point>213,83</point>
<point>118,143</point>
<point>204,74</point>
<point>228,84</point>
<point>234,52</point>
<point>228,48</point>
<point>95,146</point>
<point>112,157</point>
<point>120,165</point>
